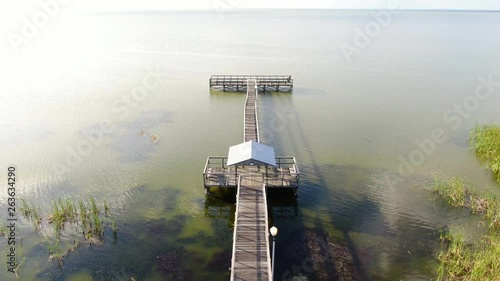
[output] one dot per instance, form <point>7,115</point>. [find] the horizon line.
<point>292,9</point>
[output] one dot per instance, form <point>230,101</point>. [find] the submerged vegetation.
<point>485,141</point>
<point>85,215</point>
<point>459,260</point>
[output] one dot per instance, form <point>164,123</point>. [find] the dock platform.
<point>264,82</point>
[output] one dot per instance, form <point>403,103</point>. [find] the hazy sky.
<point>12,12</point>
<point>120,5</point>
<point>343,4</point>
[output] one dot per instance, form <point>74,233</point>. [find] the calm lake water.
<point>73,128</point>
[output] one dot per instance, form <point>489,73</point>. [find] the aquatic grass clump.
<point>86,213</point>
<point>62,212</point>
<point>96,227</point>
<point>485,141</point>
<point>29,211</point>
<point>459,260</point>
<point>455,258</point>
<point>55,252</point>
<point>458,194</point>
<point>24,207</point>
<point>452,191</point>
<point>82,213</point>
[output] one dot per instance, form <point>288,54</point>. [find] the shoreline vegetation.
<point>457,259</point>
<point>83,215</point>
<point>485,141</point>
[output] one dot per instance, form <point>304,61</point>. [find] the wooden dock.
<point>251,258</point>
<point>251,122</point>
<point>264,82</point>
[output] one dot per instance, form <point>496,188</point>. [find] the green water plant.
<point>81,212</point>
<point>55,253</point>
<point>459,260</point>
<point>35,218</point>
<point>29,211</point>
<point>58,216</point>
<point>84,212</point>
<point>457,193</point>
<point>485,142</point>
<point>84,215</point>
<point>106,209</point>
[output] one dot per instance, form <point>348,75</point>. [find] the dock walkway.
<point>251,124</point>
<point>251,259</point>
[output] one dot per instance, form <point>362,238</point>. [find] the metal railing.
<point>270,276</point>
<point>217,173</point>
<point>241,80</point>
<point>285,174</point>
<point>235,232</point>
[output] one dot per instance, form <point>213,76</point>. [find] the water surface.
<point>347,123</point>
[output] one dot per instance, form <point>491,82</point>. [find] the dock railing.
<point>235,227</point>
<point>286,173</point>
<point>217,173</point>
<point>269,262</point>
<point>240,81</point>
